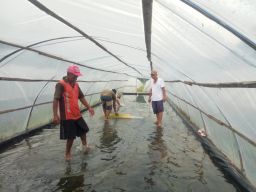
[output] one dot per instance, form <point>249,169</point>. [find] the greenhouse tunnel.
<point>203,50</point>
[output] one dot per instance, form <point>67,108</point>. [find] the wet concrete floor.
<point>127,155</point>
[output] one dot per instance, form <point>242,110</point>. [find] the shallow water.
<point>126,155</point>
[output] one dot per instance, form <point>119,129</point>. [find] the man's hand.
<point>56,120</point>
<point>91,111</point>
<point>165,98</point>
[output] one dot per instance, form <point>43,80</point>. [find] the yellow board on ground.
<point>123,116</point>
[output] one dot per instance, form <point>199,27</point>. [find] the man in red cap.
<point>66,96</point>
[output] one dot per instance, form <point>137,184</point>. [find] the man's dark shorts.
<point>70,129</point>
<point>107,102</point>
<point>158,106</point>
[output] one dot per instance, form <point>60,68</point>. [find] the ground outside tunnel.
<point>127,155</point>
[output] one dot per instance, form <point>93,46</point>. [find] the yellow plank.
<point>123,116</point>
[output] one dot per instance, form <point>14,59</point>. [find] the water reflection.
<point>157,152</point>
<point>71,183</point>
<point>28,143</point>
<point>200,169</point>
<point>158,144</point>
<point>109,137</point>
<point>140,99</point>
<point>68,168</point>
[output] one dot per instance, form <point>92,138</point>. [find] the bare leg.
<point>107,114</point>
<point>85,145</point>
<point>159,119</point>
<point>83,139</point>
<point>68,149</point>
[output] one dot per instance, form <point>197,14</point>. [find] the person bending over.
<point>118,97</point>
<point>108,99</point>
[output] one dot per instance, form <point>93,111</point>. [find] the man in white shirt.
<point>157,95</point>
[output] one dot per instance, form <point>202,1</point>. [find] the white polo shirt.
<point>157,92</point>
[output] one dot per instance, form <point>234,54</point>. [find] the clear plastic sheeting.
<point>239,14</point>
<point>204,50</point>
<point>213,54</point>
<point>196,49</point>
<point>37,48</point>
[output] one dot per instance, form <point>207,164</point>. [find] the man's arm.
<point>86,104</point>
<point>164,94</point>
<point>114,106</point>
<point>149,95</point>
<point>55,105</point>
<point>56,118</point>
<point>118,102</point>
<point>114,102</point>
